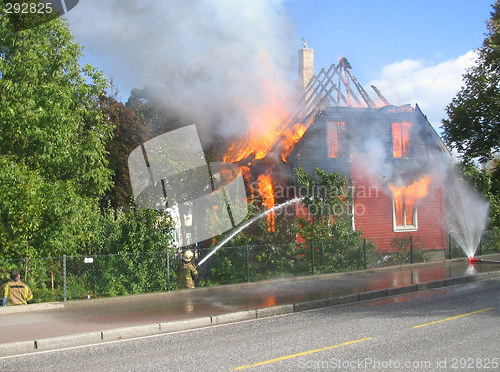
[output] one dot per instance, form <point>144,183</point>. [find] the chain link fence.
<point>259,262</point>
<point>77,277</point>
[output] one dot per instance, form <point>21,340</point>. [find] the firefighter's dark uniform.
<point>17,293</point>
<point>187,274</point>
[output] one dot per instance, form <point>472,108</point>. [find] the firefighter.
<point>187,274</point>
<point>16,292</point>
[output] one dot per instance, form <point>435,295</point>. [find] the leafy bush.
<point>404,250</point>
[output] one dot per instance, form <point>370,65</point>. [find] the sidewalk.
<point>53,325</point>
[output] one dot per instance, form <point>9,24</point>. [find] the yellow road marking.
<point>453,317</point>
<point>301,354</point>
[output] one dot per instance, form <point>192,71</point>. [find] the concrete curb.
<point>67,341</point>
<point>183,325</point>
<point>365,296</point>
<point>310,305</point>
<point>82,339</point>
<point>343,300</point>
<point>15,348</point>
<point>130,332</point>
<point>275,310</point>
<point>234,317</point>
<point>31,307</point>
<point>401,290</point>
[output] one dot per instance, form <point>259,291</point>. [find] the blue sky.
<point>413,51</point>
<point>373,34</point>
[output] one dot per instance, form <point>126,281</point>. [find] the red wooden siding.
<point>374,216</point>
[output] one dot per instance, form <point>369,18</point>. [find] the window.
<point>336,134</point>
<point>401,140</point>
<point>404,211</point>
<point>404,202</point>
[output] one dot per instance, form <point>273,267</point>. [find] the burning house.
<point>392,156</point>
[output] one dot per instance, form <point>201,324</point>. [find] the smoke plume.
<point>201,58</point>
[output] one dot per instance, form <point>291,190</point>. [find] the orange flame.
<point>290,138</point>
<point>247,176</point>
<point>264,121</point>
<point>268,118</point>
<point>400,139</point>
<point>405,198</point>
<point>336,132</point>
<point>265,188</point>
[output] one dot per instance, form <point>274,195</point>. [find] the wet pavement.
<point>33,322</point>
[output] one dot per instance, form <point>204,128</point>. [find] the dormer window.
<point>401,140</point>
<point>337,141</point>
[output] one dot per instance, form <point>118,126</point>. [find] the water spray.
<point>249,222</point>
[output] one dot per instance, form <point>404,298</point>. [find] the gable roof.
<point>329,88</point>
<point>333,88</point>
<point>429,129</point>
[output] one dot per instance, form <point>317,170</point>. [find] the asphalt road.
<point>95,317</point>
<point>453,328</point>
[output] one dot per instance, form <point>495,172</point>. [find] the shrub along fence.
<point>76,277</point>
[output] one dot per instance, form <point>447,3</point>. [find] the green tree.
<point>330,242</point>
<point>150,113</point>
<point>472,126</point>
<point>53,168</point>
<point>138,230</point>
<point>132,248</point>
<point>328,231</point>
<point>128,134</point>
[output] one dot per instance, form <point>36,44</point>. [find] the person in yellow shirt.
<point>16,292</point>
<point>187,274</point>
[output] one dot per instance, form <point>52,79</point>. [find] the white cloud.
<point>432,87</point>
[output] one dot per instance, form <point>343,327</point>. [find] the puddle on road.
<point>404,297</point>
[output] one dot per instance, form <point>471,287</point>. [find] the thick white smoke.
<point>202,57</point>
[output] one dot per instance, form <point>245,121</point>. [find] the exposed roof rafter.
<point>334,85</point>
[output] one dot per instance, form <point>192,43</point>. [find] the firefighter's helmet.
<point>187,255</point>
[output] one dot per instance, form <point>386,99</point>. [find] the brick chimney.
<point>306,65</point>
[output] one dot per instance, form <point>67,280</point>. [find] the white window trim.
<point>396,228</point>
<point>351,209</point>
